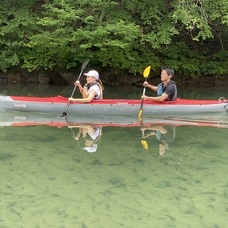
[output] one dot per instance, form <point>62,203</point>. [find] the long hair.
<point>100,84</point>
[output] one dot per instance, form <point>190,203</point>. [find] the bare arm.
<point>77,83</point>
<point>155,128</point>
<point>161,98</point>
<point>86,99</point>
<point>154,88</point>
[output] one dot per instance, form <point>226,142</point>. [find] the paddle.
<point>82,68</point>
<point>146,73</point>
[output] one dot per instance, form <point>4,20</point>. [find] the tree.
<point>16,27</point>
<point>72,31</point>
<point>190,35</point>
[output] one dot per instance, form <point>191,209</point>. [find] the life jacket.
<point>168,137</point>
<point>101,93</point>
<point>160,90</point>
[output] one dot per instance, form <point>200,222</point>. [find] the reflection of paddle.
<point>146,73</point>
<point>144,144</point>
<point>82,68</point>
<point>68,124</point>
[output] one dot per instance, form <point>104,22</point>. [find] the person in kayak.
<point>92,90</point>
<point>166,90</point>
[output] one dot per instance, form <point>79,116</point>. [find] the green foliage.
<point>66,38</point>
<point>185,60</point>
<point>189,35</point>
<point>16,27</point>
<point>199,18</point>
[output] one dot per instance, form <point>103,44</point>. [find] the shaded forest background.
<point>48,40</point>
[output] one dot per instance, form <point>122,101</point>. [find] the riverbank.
<point>110,78</point>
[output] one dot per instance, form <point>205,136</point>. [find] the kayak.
<point>23,119</point>
<point>113,107</point>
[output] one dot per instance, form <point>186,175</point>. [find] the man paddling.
<point>166,90</point>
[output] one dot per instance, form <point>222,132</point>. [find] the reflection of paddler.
<point>165,135</point>
<point>163,146</point>
<point>90,134</point>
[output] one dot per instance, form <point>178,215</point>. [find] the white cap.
<point>91,149</point>
<point>92,73</point>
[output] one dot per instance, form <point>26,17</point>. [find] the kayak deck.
<point>60,99</point>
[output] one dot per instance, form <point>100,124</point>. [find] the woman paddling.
<point>92,90</point>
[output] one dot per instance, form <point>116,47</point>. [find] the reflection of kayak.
<point>127,107</point>
<point>12,118</point>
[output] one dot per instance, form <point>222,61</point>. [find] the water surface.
<point>49,180</point>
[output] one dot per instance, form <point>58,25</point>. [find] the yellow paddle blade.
<point>146,72</point>
<point>140,114</point>
<point>144,144</point>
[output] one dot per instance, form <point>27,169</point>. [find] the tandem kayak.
<point>113,107</point>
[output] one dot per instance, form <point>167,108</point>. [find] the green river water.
<point>49,180</point>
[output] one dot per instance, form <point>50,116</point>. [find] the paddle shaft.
<point>82,68</point>
<point>142,101</point>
